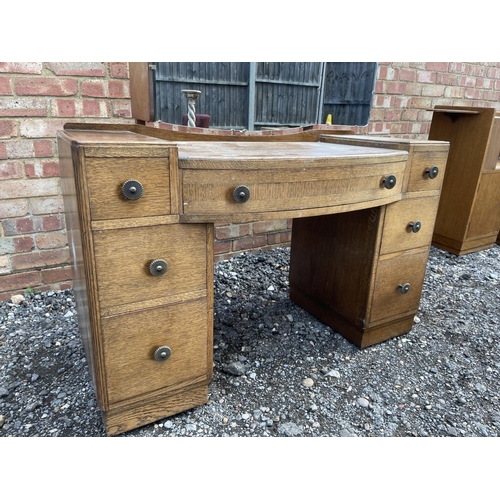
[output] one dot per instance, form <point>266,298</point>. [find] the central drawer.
<point>216,192</point>
<point>123,258</point>
<point>130,342</point>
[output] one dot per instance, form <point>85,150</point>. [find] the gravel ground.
<point>277,370</point>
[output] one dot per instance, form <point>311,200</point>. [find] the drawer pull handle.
<point>158,267</point>
<point>389,182</point>
<point>405,288</point>
<point>415,226</point>
<point>162,353</point>
<point>241,194</point>
<point>132,189</point>
<point>432,172</point>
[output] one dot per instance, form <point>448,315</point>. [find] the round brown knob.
<point>389,182</point>
<point>162,353</point>
<point>132,189</point>
<point>405,288</point>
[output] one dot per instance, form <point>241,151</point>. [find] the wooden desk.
<point>140,211</point>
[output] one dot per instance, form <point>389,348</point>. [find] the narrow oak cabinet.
<point>468,218</point>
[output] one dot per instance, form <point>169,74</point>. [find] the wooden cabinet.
<point>140,212</point>
<point>468,217</point>
<point>147,331</point>
<point>362,272</point>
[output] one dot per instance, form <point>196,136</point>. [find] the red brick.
<point>446,79</point>
<point>51,240</point>
<point>7,129</point>
<point>232,231</point>
<point>11,170</point>
<point>57,275</point>
<point>46,86</point>
<point>118,70</point>
<point>118,89</point>
<point>278,238</point>
<point>34,68</point>
<point>222,247</point>
<point>392,115</point>
<point>91,108</point>
<point>5,86</point>
<point>17,281</point>
<point>24,225</point>
<point>436,66</point>
<point>407,75</point>
<point>395,88</point>
<point>382,73</point>
<point>93,88</point>
<point>52,222</point>
<point>249,242</point>
<point>44,148</point>
<point>123,109</point>
<point>42,258</point>
<point>22,106</point>
<point>24,244</point>
<point>77,68</point>
<point>269,226</point>
<point>64,107</point>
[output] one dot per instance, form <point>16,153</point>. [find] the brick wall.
<point>36,99</point>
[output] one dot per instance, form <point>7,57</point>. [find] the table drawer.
<point>130,342</point>
<point>423,160</point>
<point>392,273</point>
<point>398,234</point>
<point>123,258</point>
<point>245,191</point>
<point>106,177</point>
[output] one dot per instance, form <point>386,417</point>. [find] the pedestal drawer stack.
<point>368,281</point>
<point>143,282</point>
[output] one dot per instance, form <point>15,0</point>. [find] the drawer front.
<point>401,269</point>
<point>123,258</point>
<point>422,161</point>
<point>130,342</point>
<point>106,177</point>
<point>213,192</point>
<point>409,224</point>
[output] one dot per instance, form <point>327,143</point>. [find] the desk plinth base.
<point>466,246</point>
<point>129,417</point>
<point>361,337</point>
